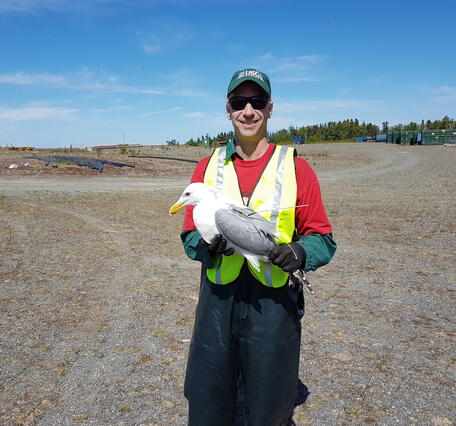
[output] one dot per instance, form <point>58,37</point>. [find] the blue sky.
<point>97,72</point>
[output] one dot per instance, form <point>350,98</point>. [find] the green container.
<point>453,136</point>
<point>410,137</point>
<point>407,138</point>
<point>395,136</point>
<point>435,137</point>
<point>428,137</point>
<point>449,136</point>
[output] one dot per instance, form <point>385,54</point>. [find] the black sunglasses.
<point>239,102</point>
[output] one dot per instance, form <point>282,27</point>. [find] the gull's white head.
<point>192,195</point>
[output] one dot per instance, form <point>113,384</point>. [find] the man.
<point>247,322</point>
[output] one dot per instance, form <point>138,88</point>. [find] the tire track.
<point>386,160</point>
<point>20,185</point>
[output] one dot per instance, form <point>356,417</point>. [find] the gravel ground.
<point>98,297</point>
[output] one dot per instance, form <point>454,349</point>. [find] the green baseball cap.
<point>250,74</point>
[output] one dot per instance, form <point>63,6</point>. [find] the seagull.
<point>244,229</point>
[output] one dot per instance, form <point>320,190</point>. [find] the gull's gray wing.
<point>260,221</point>
<point>249,232</point>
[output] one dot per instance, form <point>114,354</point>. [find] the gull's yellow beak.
<point>176,207</point>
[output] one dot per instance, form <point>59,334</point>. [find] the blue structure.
<point>299,139</point>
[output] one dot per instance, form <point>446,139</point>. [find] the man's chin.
<point>249,138</point>
<point>249,132</point>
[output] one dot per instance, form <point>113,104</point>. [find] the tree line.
<point>443,124</point>
<point>332,131</point>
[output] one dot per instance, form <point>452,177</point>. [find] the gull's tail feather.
<point>300,277</point>
<point>253,260</point>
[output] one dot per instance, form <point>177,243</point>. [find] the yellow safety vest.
<point>275,189</point>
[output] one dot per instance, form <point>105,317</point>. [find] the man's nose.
<point>248,109</point>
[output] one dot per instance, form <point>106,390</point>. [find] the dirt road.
<point>98,297</point>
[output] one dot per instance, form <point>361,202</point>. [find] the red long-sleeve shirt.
<point>307,219</point>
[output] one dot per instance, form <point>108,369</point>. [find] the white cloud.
<point>190,93</point>
<point>34,6</point>
<point>71,6</point>
<point>67,6</point>
<point>76,81</point>
<point>35,113</point>
<point>280,122</point>
<point>295,79</point>
<point>444,94</point>
<point>311,59</point>
<point>182,78</point>
<point>267,57</point>
<point>151,47</point>
<point>164,36</point>
<point>160,111</point>
<point>286,63</point>
<point>196,114</point>
<point>183,82</point>
<point>27,6</point>
<point>290,69</point>
<point>33,79</point>
<point>111,109</point>
<point>218,123</point>
<point>124,89</point>
<point>322,105</point>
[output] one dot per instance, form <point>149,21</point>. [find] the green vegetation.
<point>445,123</point>
<point>206,139</point>
<point>332,131</point>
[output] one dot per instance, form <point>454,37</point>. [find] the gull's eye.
<point>187,194</point>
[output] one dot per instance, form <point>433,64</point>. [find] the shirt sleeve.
<point>196,248</point>
<point>312,224</point>
<point>319,248</point>
<point>198,176</point>
<point>311,218</point>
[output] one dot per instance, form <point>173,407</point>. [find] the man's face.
<point>250,125</point>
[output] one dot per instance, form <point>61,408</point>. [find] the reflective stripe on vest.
<point>275,189</point>
<point>226,268</point>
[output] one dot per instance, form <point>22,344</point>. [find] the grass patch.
<point>81,419</point>
<point>353,411</point>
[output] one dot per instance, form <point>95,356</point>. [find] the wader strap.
<point>220,169</point>
<point>278,186</point>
